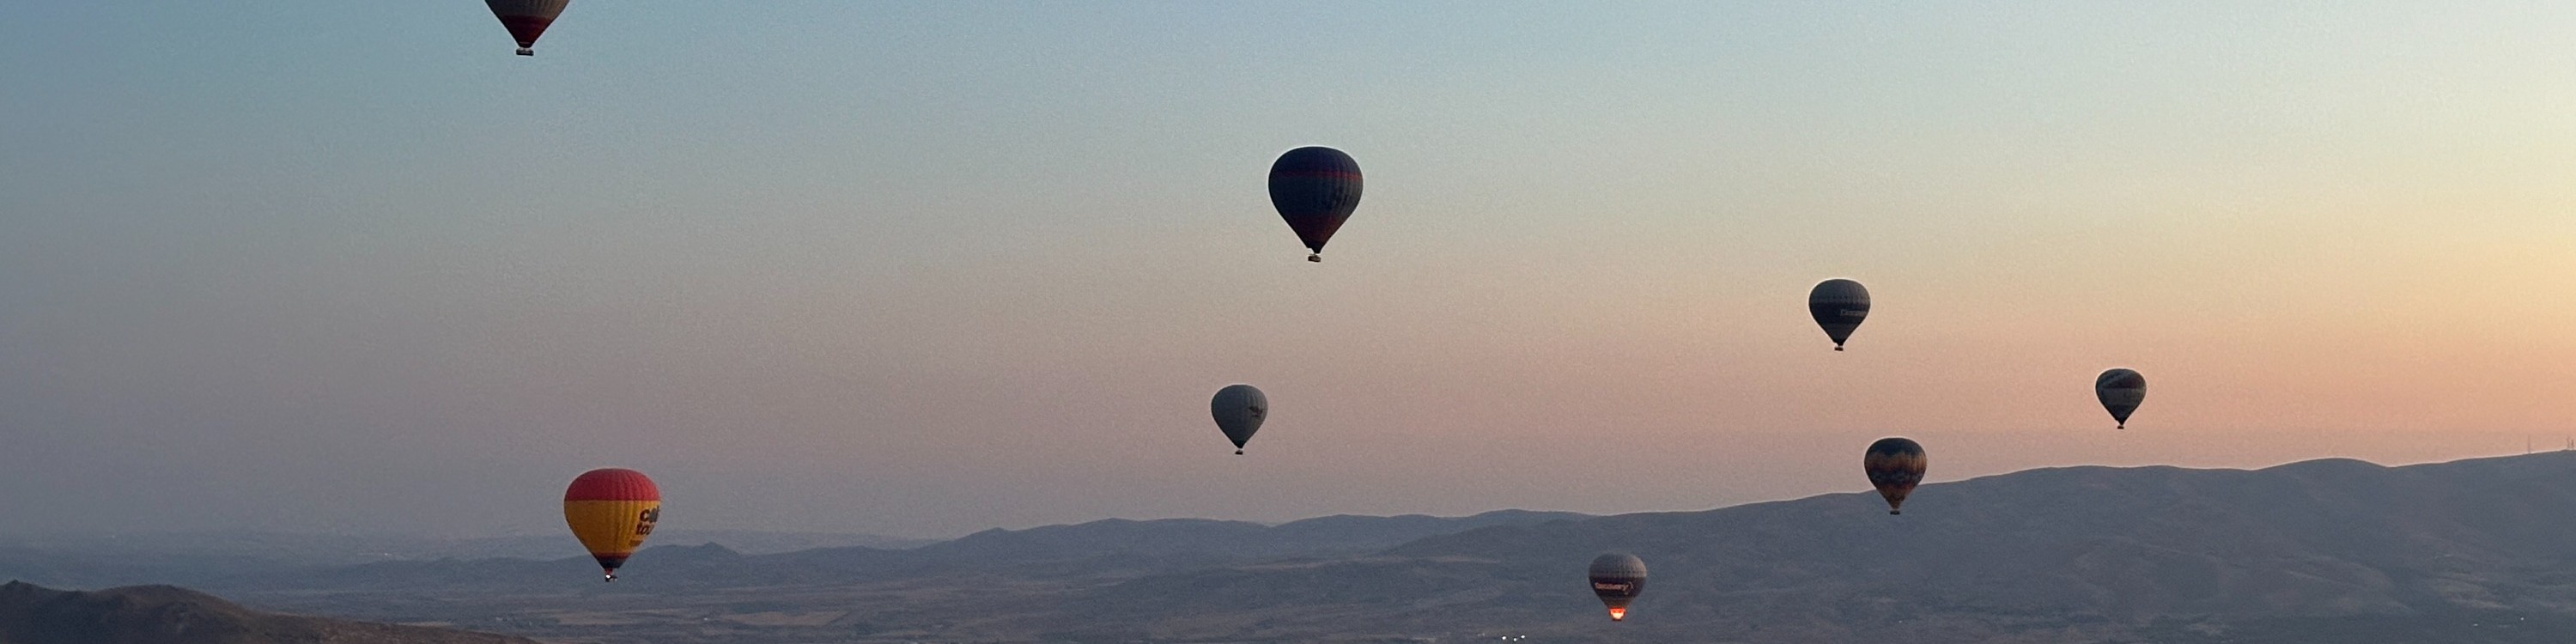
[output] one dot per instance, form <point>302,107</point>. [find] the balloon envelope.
<point>611,510</point>
<point>1239,410</point>
<point>527,19</point>
<point>2120,391</point>
<point>1315,189</point>
<point>1838,305</point>
<point>1895,466</point>
<point>1616,579</point>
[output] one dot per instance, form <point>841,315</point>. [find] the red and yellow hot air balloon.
<point>527,19</point>
<point>611,510</point>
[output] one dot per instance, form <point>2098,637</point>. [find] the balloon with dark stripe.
<point>1838,305</point>
<point>1315,189</point>
<point>2121,390</point>
<point>1895,466</point>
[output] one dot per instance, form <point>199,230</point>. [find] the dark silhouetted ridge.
<point>31,614</point>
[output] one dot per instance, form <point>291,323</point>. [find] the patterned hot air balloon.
<point>1895,466</point>
<point>1315,189</point>
<point>1616,579</point>
<point>2120,391</point>
<point>527,19</point>
<point>1838,305</point>
<point>611,510</point>
<point>1239,410</point>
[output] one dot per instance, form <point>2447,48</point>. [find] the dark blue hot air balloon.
<point>2121,390</point>
<point>1838,305</point>
<point>1315,189</point>
<point>527,19</point>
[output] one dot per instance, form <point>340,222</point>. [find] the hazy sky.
<point>928,268</point>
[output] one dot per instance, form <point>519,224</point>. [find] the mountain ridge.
<point>2104,550</point>
<point>159,614</point>
<point>2325,550</point>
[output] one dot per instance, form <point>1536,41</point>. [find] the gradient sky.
<point>928,268</point>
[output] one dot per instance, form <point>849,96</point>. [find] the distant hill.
<point>203,558</point>
<point>2319,551</point>
<point>318,549</point>
<point>1184,539</point>
<point>711,593</point>
<point>31,614</point>
<point>1107,547</point>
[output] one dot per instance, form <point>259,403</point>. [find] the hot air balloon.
<point>1895,466</point>
<point>1838,305</point>
<point>527,19</point>
<point>1239,410</point>
<point>611,510</point>
<point>1315,189</point>
<point>1617,578</point>
<point>2120,390</point>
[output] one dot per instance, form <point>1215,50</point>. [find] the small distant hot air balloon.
<point>527,19</point>
<point>1239,410</point>
<point>1838,305</point>
<point>611,510</point>
<point>1895,466</point>
<point>1315,189</point>
<point>1617,578</point>
<point>2120,390</point>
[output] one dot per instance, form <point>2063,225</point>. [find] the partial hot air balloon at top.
<point>1315,189</point>
<point>1838,305</point>
<point>527,19</point>
<point>1616,579</point>
<point>1239,410</point>
<point>1895,466</point>
<point>611,510</point>
<point>2120,390</point>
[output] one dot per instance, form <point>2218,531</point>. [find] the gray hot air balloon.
<point>2120,390</point>
<point>1838,305</point>
<point>1239,410</point>
<point>1617,578</point>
